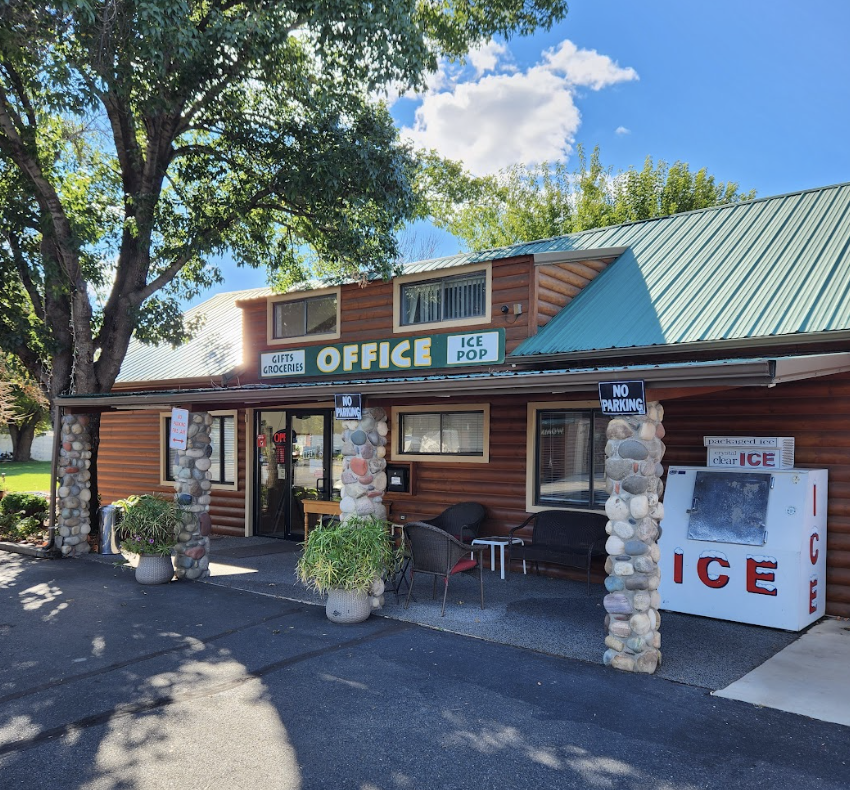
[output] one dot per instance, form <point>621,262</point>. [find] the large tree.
<point>24,408</point>
<point>528,202</point>
<point>140,137</point>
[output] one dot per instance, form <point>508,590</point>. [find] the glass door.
<point>298,457</point>
<point>271,474</point>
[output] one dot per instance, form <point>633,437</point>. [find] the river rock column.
<point>633,470</point>
<point>364,479</point>
<point>74,494</point>
<point>192,485</point>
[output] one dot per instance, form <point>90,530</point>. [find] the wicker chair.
<point>461,520</point>
<point>434,552</point>
<point>562,537</point>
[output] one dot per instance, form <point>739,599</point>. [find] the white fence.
<point>42,446</point>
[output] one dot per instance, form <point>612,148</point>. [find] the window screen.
<point>570,459</point>
<point>446,299</point>
<point>301,317</point>
<point>223,444</point>
<point>442,433</point>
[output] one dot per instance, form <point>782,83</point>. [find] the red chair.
<point>437,553</point>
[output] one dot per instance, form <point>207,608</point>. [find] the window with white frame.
<point>444,299</point>
<point>223,446</point>
<point>452,434</point>
<point>569,462</point>
<point>294,318</point>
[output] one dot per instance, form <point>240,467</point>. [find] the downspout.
<point>54,465</point>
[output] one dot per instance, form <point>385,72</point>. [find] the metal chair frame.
<point>435,552</point>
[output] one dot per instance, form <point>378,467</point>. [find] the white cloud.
<point>586,67</point>
<point>488,57</point>
<point>622,130</point>
<point>492,115</point>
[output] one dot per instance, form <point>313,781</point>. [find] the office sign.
<point>410,354</point>
<point>179,429</point>
<point>622,397</point>
<point>348,407</point>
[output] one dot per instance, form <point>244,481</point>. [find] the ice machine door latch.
<point>693,507</point>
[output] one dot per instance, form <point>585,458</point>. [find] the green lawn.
<point>30,476</point>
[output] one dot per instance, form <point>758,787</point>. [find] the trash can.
<point>108,530</point>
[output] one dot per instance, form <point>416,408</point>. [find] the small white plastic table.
<point>501,542</point>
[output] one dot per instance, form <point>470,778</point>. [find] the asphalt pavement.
<point>108,684</point>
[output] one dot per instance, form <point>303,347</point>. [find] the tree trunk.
<point>22,436</point>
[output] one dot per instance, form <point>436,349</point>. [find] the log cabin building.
<point>737,318</point>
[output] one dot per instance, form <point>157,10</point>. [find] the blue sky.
<point>756,91</point>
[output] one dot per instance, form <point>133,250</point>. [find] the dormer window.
<point>459,299</point>
<point>314,317</point>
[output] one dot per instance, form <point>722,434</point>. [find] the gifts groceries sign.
<point>398,354</point>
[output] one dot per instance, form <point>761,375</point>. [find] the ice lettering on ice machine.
<point>745,545</point>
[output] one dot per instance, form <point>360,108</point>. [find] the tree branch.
<point>24,274</point>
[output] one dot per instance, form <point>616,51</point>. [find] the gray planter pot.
<point>154,569</point>
<point>348,606</point>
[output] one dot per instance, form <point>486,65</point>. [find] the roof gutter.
<point>734,373</point>
<point>569,256</point>
<point>739,344</point>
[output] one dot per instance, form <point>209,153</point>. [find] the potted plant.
<point>149,528</point>
<point>346,560</point>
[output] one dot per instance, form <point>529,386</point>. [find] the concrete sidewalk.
<point>551,616</point>
<point>105,684</point>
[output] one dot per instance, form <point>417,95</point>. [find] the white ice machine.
<point>745,545</point>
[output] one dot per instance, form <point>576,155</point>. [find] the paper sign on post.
<point>179,429</point>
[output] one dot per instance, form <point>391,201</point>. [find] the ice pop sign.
<point>476,347</point>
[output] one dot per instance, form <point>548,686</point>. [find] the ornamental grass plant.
<point>150,524</point>
<point>346,555</point>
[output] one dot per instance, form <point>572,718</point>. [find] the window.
<point>569,458</point>
<point>449,434</point>
<point>223,443</point>
<point>446,299</point>
<point>304,317</point>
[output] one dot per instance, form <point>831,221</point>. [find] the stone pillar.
<point>73,522</point>
<point>192,485</point>
<point>633,470</point>
<point>364,479</point>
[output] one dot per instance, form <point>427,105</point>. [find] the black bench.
<point>562,537</point>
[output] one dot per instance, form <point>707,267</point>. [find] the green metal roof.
<point>772,267</point>
<point>213,351</point>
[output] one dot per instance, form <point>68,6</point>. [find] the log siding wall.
<point>556,285</point>
<point>129,463</point>
<point>815,412</point>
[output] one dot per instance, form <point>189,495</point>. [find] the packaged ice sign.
<point>622,397</point>
<point>745,545</point>
<point>750,452</point>
<point>179,429</point>
<point>347,407</point>
<point>412,354</point>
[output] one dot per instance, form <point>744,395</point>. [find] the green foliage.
<point>22,516</point>
<point>530,202</point>
<point>141,138</point>
<point>149,525</point>
<point>347,555</point>
<point>23,505</point>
